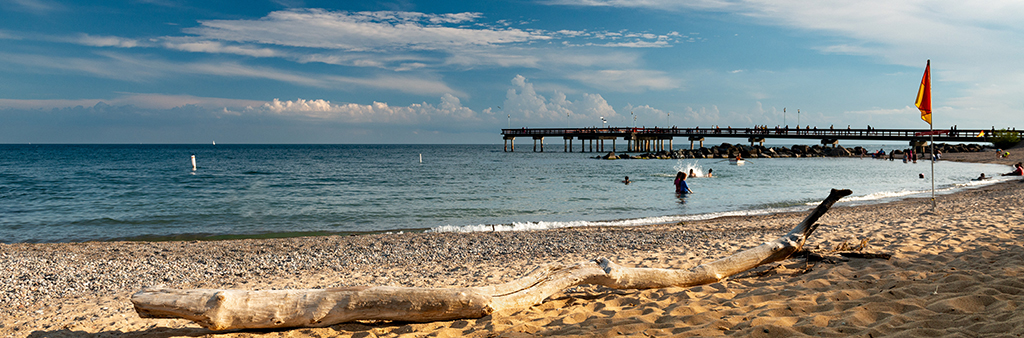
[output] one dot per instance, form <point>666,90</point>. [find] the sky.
<point>439,72</point>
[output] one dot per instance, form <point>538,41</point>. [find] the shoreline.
<point>955,265</point>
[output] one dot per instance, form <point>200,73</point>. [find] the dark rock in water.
<point>839,151</point>
<point>726,150</point>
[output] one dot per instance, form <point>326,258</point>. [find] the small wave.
<point>982,183</point>
<point>895,195</point>
<point>528,226</point>
<point>878,196</point>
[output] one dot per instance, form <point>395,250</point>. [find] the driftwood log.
<point>242,309</point>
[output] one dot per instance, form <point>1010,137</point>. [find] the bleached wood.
<point>241,309</point>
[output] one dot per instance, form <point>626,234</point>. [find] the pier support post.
<point>696,138</point>
<point>510,142</point>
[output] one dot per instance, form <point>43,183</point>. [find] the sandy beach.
<point>956,271</point>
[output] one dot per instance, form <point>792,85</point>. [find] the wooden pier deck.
<point>657,139</point>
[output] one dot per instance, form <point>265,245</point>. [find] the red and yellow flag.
<point>924,95</point>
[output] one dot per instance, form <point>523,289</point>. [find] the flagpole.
<point>931,130</point>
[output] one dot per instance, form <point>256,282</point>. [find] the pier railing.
<point>644,136</point>
<point>954,135</point>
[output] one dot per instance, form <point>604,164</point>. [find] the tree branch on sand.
<point>243,309</point>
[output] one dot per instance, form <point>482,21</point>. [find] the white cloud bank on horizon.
<point>522,101</point>
<point>449,109</point>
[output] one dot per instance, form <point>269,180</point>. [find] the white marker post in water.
<point>193,162</point>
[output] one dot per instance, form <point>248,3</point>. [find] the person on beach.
<point>1018,170</point>
<point>627,181</point>
<point>681,187</point>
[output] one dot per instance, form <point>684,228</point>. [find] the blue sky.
<point>292,71</point>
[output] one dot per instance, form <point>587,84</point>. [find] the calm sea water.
<point>60,193</point>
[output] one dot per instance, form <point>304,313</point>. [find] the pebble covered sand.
<point>956,271</point>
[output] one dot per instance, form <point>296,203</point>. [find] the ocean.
<point>70,193</point>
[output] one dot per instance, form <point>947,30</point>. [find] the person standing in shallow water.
<point>680,182</point>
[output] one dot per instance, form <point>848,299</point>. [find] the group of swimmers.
<point>1018,170</point>
<point>680,181</point>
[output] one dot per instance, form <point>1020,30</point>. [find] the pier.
<point>658,139</point>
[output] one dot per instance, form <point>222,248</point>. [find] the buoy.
<point>193,162</point>
<point>421,158</point>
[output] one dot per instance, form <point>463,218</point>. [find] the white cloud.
<point>408,84</point>
<point>378,36</point>
<point>133,68</point>
<point>449,109</point>
<point>141,100</point>
<point>361,31</point>
<point>105,41</point>
<point>217,47</point>
<point>655,4</point>
<point>630,80</point>
<point>32,6</point>
<point>526,105</point>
